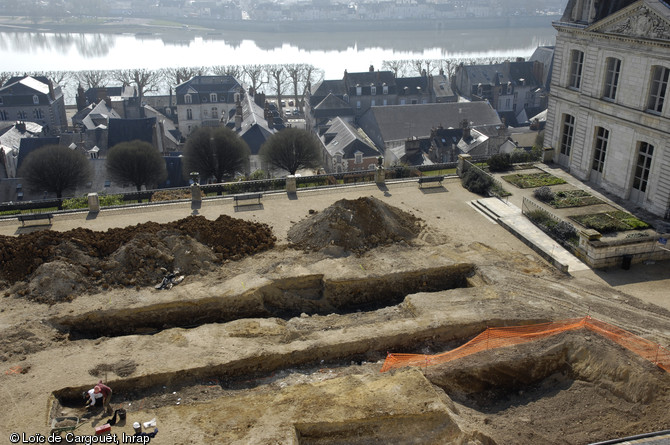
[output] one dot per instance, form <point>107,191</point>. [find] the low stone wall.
<point>599,254</point>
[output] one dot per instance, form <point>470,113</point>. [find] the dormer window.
<point>373,90</point>
<point>188,99</point>
<point>36,100</point>
<point>212,97</point>
<point>385,89</point>
<point>359,90</point>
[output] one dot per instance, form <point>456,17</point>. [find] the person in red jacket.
<point>101,394</point>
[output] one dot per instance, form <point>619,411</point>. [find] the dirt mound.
<point>355,226</point>
<point>56,266</point>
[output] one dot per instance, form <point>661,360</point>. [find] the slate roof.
<point>254,130</point>
<point>367,78</point>
<point>124,130</point>
<point>29,145</point>
<point>413,84</point>
<point>11,138</point>
<point>545,55</point>
<point>38,84</point>
<point>202,86</point>
<point>347,140</point>
<point>325,88</point>
<point>398,122</point>
<point>97,115</point>
<point>502,73</point>
<point>332,106</point>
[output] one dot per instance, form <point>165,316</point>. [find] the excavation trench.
<point>248,372</point>
<point>284,298</point>
<point>489,382</point>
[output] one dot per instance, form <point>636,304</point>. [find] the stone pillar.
<point>380,175</point>
<point>196,194</point>
<point>461,164</point>
<point>93,203</point>
<point>291,185</point>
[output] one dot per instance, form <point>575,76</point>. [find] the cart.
<point>62,424</point>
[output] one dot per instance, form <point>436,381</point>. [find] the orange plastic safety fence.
<point>493,338</point>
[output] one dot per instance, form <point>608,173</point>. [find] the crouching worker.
<point>138,432</point>
<point>100,395</point>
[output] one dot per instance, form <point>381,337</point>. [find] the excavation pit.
<point>571,388</point>
<point>283,298</point>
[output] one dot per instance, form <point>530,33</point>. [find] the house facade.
<point>608,120</point>
<point>205,101</point>
<point>35,99</point>
<point>346,148</point>
<point>353,95</point>
<point>510,87</point>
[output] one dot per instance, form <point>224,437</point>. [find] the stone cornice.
<point>620,38</point>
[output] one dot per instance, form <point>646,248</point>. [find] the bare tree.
<point>292,149</point>
<point>5,76</point>
<point>57,169</point>
<point>228,70</point>
<point>278,80</point>
<point>255,74</point>
<point>295,72</point>
<point>424,65</point>
<point>175,76</point>
<point>145,80</point>
<point>92,78</point>
<point>399,67</point>
<point>312,75</point>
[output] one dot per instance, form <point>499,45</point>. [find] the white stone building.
<point>608,120</point>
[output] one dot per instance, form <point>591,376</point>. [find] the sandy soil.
<point>285,346</point>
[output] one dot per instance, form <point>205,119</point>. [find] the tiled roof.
<point>418,120</point>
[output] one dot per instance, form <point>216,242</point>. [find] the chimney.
<point>170,97</point>
<point>21,126</point>
<point>372,68</point>
<point>467,134</point>
<point>81,98</point>
<point>52,96</point>
<point>238,116</point>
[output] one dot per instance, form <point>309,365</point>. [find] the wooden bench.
<point>34,217</point>
<point>247,197</point>
<point>428,179</point>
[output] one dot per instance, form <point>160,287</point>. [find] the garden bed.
<point>574,198</point>
<point>532,180</point>
<point>607,222</point>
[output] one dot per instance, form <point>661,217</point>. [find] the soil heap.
<point>355,226</point>
<point>49,266</point>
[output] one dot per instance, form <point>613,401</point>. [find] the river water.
<point>331,51</point>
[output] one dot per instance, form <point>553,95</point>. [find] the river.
<point>332,51</point>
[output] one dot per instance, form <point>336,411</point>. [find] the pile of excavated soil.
<point>355,226</point>
<point>51,266</point>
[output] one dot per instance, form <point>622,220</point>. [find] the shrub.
<point>521,156</point>
<point>544,194</point>
<point>477,182</point>
<point>499,162</point>
<point>564,231</point>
